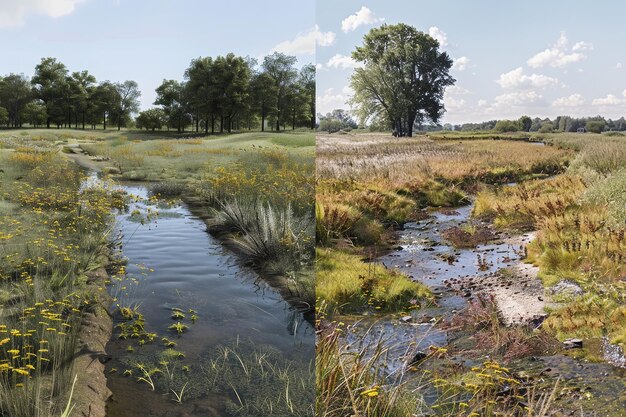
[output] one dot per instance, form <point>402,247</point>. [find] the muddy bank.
<point>91,392</point>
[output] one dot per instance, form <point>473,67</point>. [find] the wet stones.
<point>573,344</point>
<point>567,288</point>
<point>418,357</point>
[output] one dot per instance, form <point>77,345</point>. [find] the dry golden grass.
<point>377,157</point>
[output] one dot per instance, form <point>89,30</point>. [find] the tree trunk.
<point>263,117</point>
<point>105,120</point>
<point>222,124</point>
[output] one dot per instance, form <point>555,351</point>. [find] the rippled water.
<point>424,253</point>
<point>177,264</point>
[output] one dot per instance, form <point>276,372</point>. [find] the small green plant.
<point>179,327</point>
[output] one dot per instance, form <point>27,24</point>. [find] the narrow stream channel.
<point>173,263</point>
<point>425,256</point>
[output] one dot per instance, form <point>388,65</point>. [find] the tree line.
<point>56,97</point>
<point>227,92</point>
<point>596,124</point>
<point>232,92</point>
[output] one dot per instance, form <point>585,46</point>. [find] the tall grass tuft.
<point>274,236</point>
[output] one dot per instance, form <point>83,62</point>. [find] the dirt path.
<point>83,160</point>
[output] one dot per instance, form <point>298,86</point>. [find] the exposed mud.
<point>91,392</point>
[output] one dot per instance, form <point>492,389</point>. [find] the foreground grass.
<point>51,234</point>
<point>352,379</point>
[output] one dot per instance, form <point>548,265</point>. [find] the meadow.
<point>569,190</point>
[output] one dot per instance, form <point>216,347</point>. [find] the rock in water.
<point>418,357</point>
<point>573,344</point>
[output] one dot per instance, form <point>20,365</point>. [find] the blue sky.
<point>147,41</point>
<point>540,58</point>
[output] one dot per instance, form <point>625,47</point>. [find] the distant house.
<point>581,130</point>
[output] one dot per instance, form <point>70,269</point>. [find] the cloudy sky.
<point>148,40</point>
<point>534,57</point>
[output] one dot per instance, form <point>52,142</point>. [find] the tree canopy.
<point>401,79</point>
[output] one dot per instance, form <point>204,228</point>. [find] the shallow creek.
<point>424,255</point>
<point>173,263</point>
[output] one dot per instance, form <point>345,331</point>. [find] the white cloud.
<point>618,65</point>
<point>573,100</point>
<point>305,43</point>
<point>362,17</point>
<point>518,98</point>
<point>560,54</point>
<point>439,35</point>
<point>516,79</point>
<point>341,61</point>
<point>331,100</point>
<point>460,63</point>
<point>582,46</point>
<point>482,103</point>
<point>13,13</point>
<point>454,103</point>
<point>610,100</point>
<point>457,90</point>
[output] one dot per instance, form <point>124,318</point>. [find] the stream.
<point>455,276</point>
<point>173,264</point>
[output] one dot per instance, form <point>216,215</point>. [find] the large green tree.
<point>50,83</point>
<point>128,101</point>
<point>171,95</point>
<point>15,93</point>
<point>83,85</point>
<point>35,113</point>
<point>402,77</point>
<point>280,68</point>
<point>232,76</point>
<point>306,81</point>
